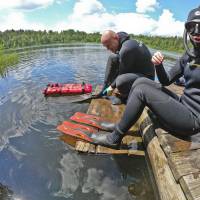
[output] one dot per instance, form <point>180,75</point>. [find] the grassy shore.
<point>7,60</point>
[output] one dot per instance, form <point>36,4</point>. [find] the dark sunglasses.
<point>192,26</point>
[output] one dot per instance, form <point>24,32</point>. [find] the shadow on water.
<point>34,163</point>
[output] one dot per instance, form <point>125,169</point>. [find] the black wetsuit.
<point>132,60</point>
<point>180,115</point>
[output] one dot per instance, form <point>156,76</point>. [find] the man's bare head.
<point>110,40</point>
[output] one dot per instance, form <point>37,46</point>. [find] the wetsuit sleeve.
<point>126,60</point>
<point>166,78</point>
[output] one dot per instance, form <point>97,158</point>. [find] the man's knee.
<point>120,81</point>
<point>141,81</point>
<point>142,86</point>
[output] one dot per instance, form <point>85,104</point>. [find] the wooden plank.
<point>69,140</point>
<point>128,139</point>
<point>175,88</point>
<point>86,147</point>
<point>184,163</point>
<point>167,186</point>
<point>191,186</point>
<point>136,153</point>
<point>105,150</point>
<point>79,146</point>
<point>92,149</point>
<point>104,108</point>
<point>172,144</point>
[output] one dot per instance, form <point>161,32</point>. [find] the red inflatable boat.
<point>65,89</point>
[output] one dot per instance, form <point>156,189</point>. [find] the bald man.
<point>129,60</point>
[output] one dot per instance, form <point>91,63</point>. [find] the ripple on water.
<point>34,162</point>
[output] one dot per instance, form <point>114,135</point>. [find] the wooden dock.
<point>175,162</point>
<point>104,109</point>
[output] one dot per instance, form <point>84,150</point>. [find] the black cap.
<point>194,15</point>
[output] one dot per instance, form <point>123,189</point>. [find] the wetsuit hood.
<point>193,17</point>
<point>122,38</point>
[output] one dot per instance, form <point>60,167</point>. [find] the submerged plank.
<point>104,108</point>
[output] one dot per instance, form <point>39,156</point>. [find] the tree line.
<point>23,38</point>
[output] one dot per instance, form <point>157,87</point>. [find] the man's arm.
<point>166,78</point>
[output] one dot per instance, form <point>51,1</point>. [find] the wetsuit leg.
<point>124,83</point>
<point>112,69</point>
<point>175,116</point>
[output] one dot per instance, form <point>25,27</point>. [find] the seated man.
<point>130,59</point>
<point>178,115</point>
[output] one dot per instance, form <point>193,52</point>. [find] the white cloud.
<point>143,6</point>
<point>91,16</point>
<point>16,21</point>
<point>99,20</point>
<point>167,25</point>
<point>24,4</point>
<point>104,186</point>
<point>87,7</point>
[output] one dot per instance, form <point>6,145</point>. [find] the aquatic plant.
<point>6,60</point>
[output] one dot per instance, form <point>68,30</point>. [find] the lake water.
<point>35,164</point>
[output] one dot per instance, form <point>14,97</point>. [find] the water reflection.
<point>34,163</point>
<point>71,165</point>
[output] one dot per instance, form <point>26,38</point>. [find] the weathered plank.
<point>128,139</point>
<point>69,140</point>
<point>167,186</point>
<point>79,146</point>
<point>92,149</point>
<point>85,147</point>
<point>136,153</point>
<point>172,144</point>
<point>191,186</point>
<point>105,150</point>
<point>184,163</point>
<point>104,108</point>
<point>175,88</point>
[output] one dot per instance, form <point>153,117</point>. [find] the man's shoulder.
<point>132,44</point>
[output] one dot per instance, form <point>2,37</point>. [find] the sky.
<point>148,17</point>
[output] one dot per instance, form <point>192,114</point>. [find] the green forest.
<point>12,39</point>
<point>21,38</point>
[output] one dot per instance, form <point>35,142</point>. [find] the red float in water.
<point>64,89</point>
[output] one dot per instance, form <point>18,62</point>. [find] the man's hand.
<point>108,91</point>
<point>157,58</point>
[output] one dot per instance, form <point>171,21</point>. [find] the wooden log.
<point>167,186</point>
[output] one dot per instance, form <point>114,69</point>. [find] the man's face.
<point>111,44</point>
<point>193,29</point>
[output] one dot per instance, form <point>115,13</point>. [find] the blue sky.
<point>151,17</point>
